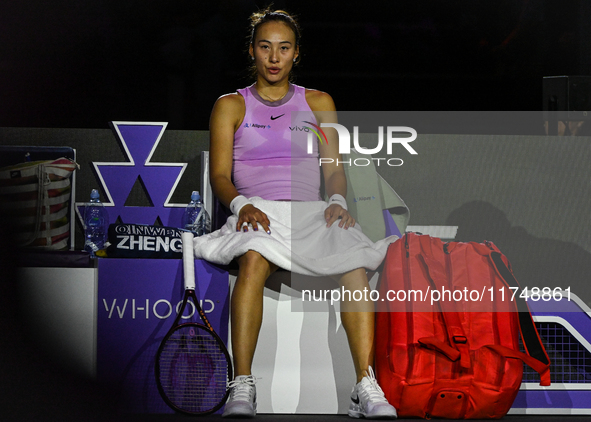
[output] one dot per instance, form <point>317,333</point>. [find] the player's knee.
<point>251,258</point>
<point>354,280</point>
<point>254,262</point>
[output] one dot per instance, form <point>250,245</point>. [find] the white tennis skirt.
<point>299,241</point>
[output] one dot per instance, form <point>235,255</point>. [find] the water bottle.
<point>196,218</point>
<point>96,222</point>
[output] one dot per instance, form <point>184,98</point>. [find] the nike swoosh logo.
<point>355,399</point>
<point>276,117</point>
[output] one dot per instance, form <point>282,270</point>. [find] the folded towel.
<point>299,241</point>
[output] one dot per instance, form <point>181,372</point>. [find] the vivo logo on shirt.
<point>300,129</point>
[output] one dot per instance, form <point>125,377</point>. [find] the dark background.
<point>66,63</point>
<point>82,64</point>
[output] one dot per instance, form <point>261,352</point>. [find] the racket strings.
<point>193,369</point>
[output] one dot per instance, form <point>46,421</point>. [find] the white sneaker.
<point>368,400</point>
<point>242,401</point>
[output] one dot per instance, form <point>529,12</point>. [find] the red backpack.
<point>447,330</point>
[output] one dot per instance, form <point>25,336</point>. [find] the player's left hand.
<point>336,212</point>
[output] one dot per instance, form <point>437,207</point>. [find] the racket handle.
<point>188,260</point>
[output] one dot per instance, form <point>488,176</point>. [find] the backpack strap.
<point>510,353</point>
<point>529,333</point>
<point>453,324</point>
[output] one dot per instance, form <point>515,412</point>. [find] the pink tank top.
<point>271,158</point>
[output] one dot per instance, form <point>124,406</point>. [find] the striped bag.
<point>36,196</point>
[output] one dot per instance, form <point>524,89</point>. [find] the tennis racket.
<point>193,366</point>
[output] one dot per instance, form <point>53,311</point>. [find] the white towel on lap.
<point>299,241</point>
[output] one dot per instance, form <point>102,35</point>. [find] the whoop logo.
<point>144,309</point>
<point>345,143</point>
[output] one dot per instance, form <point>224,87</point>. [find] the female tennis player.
<point>261,167</point>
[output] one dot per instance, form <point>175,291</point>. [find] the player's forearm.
<point>336,183</point>
<point>223,189</point>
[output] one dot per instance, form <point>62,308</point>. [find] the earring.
<point>294,60</point>
<point>251,57</point>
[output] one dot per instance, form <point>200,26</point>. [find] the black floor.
<point>332,418</point>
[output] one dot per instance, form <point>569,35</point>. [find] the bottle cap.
<point>195,196</point>
<point>94,194</point>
